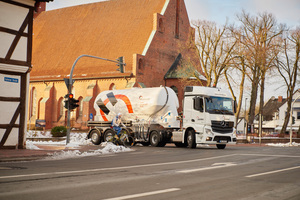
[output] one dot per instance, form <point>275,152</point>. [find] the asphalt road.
<point>237,172</point>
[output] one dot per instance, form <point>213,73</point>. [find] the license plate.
<point>223,141</point>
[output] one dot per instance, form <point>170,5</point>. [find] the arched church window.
<point>112,86</point>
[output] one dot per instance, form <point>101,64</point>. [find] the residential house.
<point>274,113</point>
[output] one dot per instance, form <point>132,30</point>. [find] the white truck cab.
<point>209,112</point>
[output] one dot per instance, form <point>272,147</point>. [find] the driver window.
<point>198,104</point>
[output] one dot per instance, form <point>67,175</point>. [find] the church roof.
<point>108,29</point>
<point>182,69</point>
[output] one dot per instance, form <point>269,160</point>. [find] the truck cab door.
<point>193,111</point>
<point>198,110</point>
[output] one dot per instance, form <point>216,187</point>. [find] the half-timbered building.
<point>16,22</point>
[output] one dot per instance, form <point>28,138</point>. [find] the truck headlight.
<point>208,132</point>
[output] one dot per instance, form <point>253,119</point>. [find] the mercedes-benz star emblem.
<point>223,124</point>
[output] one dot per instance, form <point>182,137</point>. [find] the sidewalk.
<point>10,155</point>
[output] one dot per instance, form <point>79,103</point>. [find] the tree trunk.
<point>253,101</point>
<point>287,117</point>
<point>262,91</point>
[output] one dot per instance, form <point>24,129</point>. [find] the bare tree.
<point>214,45</point>
<point>237,67</point>
<point>258,34</point>
<point>288,67</point>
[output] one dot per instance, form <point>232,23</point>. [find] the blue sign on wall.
<point>12,80</point>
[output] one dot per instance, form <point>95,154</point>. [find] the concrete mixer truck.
<point>151,117</point>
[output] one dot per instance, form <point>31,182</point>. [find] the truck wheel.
<point>190,140</point>
<point>108,135</point>
<point>154,139</point>
<point>221,146</point>
<point>95,137</point>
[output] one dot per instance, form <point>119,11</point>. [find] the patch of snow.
<point>79,139</point>
<point>76,139</point>
<point>31,146</point>
<point>108,149</point>
<point>283,144</point>
<point>38,134</point>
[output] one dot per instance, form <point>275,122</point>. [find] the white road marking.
<point>137,153</point>
<point>214,166</point>
<point>115,168</point>
<point>140,166</point>
<point>266,155</point>
<point>5,168</point>
<point>144,194</point>
<point>272,172</point>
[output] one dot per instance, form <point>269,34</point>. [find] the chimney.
<point>279,99</point>
<point>39,7</point>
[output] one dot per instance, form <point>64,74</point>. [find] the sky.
<point>285,11</point>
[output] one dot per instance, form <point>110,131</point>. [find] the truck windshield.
<point>219,105</point>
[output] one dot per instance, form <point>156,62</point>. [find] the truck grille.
<point>222,126</point>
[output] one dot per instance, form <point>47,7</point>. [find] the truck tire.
<point>221,146</point>
<point>95,137</point>
<point>155,139</point>
<point>190,139</point>
<point>108,135</point>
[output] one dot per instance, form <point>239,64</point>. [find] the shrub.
<point>59,131</point>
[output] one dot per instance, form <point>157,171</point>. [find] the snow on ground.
<point>30,145</point>
<point>283,144</point>
<point>76,140</point>
<point>109,148</point>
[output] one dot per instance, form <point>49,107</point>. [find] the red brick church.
<point>153,36</point>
